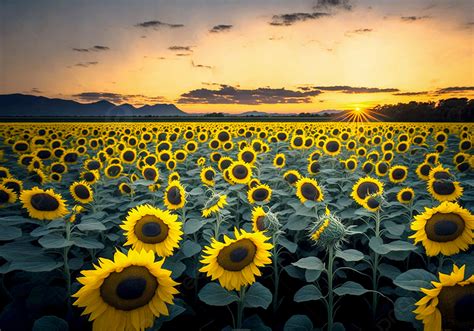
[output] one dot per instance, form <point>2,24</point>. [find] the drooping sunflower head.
<point>365,187</point>
<point>406,195</point>
<point>327,231</point>
<point>240,172</point>
<point>291,176</point>
<point>446,229</point>
<point>43,204</point>
<point>258,219</point>
<point>214,204</point>
<point>151,228</point>
<point>449,304</point>
<point>398,173</point>
<point>444,189</point>
<point>175,195</point>
<point>373,202</point>
<point>261,193</point>
<point>81,192</point>
<point>235,262</point>
<point>126,293</point>
<point>207,176</point>
<point>307,189</point>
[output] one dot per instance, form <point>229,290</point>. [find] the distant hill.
<point>21,105</point>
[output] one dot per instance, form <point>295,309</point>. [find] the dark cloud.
<point>290,19</point>
<point>86,64</point>
<point>344,4</point>
<point>362,30</point>
<point>413,18</point>
<point>355,90</point>
<point>411,93</point>
<point>200,66</point>
<point>117,98</point>
<point>455,89</point>
<point>227,94</point>
<point>157,25</point>
<point>96,48</point>
<point>183,54</point>
<point>180,48</point>
<point>220,28</point>
<point>35,90</point>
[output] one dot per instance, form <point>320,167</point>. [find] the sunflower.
<point>423,170</point>
<point>113,171</point>
<point>253,182</point>
<point>332,147</point>
<point>444,189</point>
<point>398,173</point>
<point>175,195</point>
<point>151,228</point>
<point>247,155</point>
<point>236,262</point>
<point>292,176</point>
<point>372,203</point>
<point>439,172</point>
<point>297,142</point>
<point>258,219</point>
<point>406,195</point>
<point>307,189</point>
<point>382,168</point>
<point>7,195</point>
<point>128,155</point>
<point>240,172</point>
<point>43,204</point>
<point>449,305</point>
<point>90,176</point>
<point>207,176</point>
<point>314,167</point>
<point>446,229</point>
<point>213,205</point>
<point>126,293</point>
<point>224,163</point>
<point>351,164</point>
<point>173,176</point>
<point>150,173</point>
<point>81,192</point>
<point>261,193</point>
<point>13,184</point>
<point>365,187</point>
<point>125,189</point>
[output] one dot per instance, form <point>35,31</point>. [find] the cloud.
<point>413,18</point>
<point>226,94</point>
<point>455,89</point>
<point>355,90</point>
<point>180,48</point>
<point>183,54</point>
<point>86,64</point>
<point>35,90</point>
<point>200,65</point>
<point>155,25</point>
<point>344,4</point>
<point>411,93</point>
<point>358,32</point>
<point>290,19</point>
<point>96,48</point>
<point>220,28</point>
<point>118,98</point>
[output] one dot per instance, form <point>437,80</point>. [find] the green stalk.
<point>67,272</point>
<point>374,267</point>
<point>330,289</point>
<point>217,225</point>
<point>276,275</point>
<point>240,307</point>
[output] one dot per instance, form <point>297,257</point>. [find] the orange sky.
<point>405,46</point>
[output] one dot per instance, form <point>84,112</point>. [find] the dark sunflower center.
<point>237,255</point>
<point>93,165</point>
<point>398,174</point>
<point>44,154</point>
<point>151,230</point>
<point>367,188</point>
<point>149,174</point>
<point>368,167</point>
<point>226,164</point>
<point>13,186</point>
<point>443,187</point>
<point>214,144</point>
<point>165,157</point>
<point>373,203</point>
<point>174,195</point>
<point>309,191</point>
<point>441,175</point>
<point>260,194</point>
<point>425,169</point>
<point>456,304</point>
<point>260,222</point>
<point>21,147</point>
<point>223,136</point>
<point>443,227</point>
<point>209,175</point>
<point>298,141</point>
<point>89,176</point>
<point>332,146</point>
<point>126,188</point>
<point>407,196</point>
<point>315,167</point>
<point>291,178</point>
<point>82,192</point>
<point>44,202</point>
<point>70,157</point>
<point>247,157</point>
<point>129,289</point>
<point>113,170</point>
<point>279,160</point>
<point>4,196</point>
<point>240,171</point>
<point>129,156</point>
<point>465,145</point>
<point>350,165</point>
<point>383,167</point>
<point>402,147</point>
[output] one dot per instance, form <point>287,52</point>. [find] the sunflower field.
<point>221,226</point>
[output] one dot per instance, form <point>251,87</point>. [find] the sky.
<point>235,56</point>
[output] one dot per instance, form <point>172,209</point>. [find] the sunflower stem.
<point>330,288</point>
<point>67,272</point>
<point>276,274</point>
<point>240,307</point>
<point>374,267</point>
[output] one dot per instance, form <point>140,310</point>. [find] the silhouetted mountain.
<point>21,105</point>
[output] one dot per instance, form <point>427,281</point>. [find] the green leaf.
<point>50,323</point>
<point>394,228</point>
<point>215,295</point>
<point>54,241</point>
<point>196,191</point>
<point>399,245</point>
<point>312,275</point>
<point>308,293</point>
<point>289,245</point>
<point>190,248</point>
<point>350,288</point>
<point>350,255</point>
<point>33,264</point>
<point>414,279</point>
<point>376,244</point>
<point>88,243</point>
<point>388,270</point>
<point>298,323</point>
<point>404,307</point>
<point>257,296</point>
<point>310,262</point>
<point>91,226</point>
<point>192,225</point>
<point>9,232</point>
